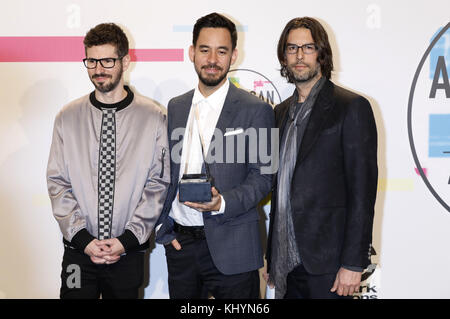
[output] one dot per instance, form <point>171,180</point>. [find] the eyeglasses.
<point>107,63</point>
<point>308,48</point>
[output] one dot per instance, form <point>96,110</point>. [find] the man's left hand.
<point>347,282</point>
<point>116,249</point>
<point>213,205</point>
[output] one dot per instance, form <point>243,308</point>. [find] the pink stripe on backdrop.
<point>425,171</point>
<point>157,55</point>
<point>70,49</point>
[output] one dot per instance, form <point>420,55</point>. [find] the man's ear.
<point>234,56</point>
<point>126,62</point>
<point>191,53</point>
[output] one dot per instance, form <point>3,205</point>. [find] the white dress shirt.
<point>208,112</point>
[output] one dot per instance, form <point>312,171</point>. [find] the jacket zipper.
<point>163,153</point>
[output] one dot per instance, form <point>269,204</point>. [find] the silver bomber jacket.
<point>142,168</point>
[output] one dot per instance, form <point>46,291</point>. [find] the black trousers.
<point>302,285</point>
<point>193,275</point>
<point>82,279</point>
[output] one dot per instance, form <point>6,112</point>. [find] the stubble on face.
<point>208,79</point>
<point>309,73</point>
<point>107,86</point>
<point>302,68</point>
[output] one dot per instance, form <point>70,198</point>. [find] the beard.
<point>212,81</point>
<point>301,78</point>
<point>106,87</point>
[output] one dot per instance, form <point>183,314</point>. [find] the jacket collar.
<point>230,109</point>
<point>119,105</point>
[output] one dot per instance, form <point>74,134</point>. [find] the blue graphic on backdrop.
<point>439,135</point>
<point>441,48</point>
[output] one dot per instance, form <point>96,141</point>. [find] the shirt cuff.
<point>222,207</point>
<point>128,240</point>
<point>82,239</point>
<point>353,268</point>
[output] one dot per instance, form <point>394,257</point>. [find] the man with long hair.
<point>323,204</point>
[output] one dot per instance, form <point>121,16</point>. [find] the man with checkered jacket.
<point>107,175</point>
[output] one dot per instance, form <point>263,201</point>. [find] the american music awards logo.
<point>255,83</point>
<point>429,117</point>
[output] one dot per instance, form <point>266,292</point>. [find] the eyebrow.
<point>289,43</point>
<point>204,46</point>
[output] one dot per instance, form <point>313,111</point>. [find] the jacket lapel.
<point>229,110</point>
<point>178,119</point>
<point>319,114</point>
<point>281,116</point>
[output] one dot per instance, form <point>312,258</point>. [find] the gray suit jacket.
<point>233,238</point>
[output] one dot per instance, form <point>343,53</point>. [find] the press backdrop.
<point>388,51</point>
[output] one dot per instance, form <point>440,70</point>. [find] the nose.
<point>212,57</point>
<point>299,54</point>
<point>99,68</point>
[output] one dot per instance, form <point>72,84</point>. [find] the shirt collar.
<point>216,99</point>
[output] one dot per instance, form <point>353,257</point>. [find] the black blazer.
<point>233,238</point>
<point>334,183</point>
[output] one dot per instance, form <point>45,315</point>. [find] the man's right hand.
<point>266,278</point>
<point>176,244</point>
<point>97,251</point>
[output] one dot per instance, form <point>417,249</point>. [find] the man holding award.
<point>209,224</point>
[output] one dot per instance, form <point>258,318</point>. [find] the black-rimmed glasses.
<point>308,48</point>
<point>107,63</point>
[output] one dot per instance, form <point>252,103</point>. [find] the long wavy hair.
<point>320,37</point>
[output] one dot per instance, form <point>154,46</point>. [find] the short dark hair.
<point>215,20</point>
<point>107,33</point>
<point>320,37</point>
